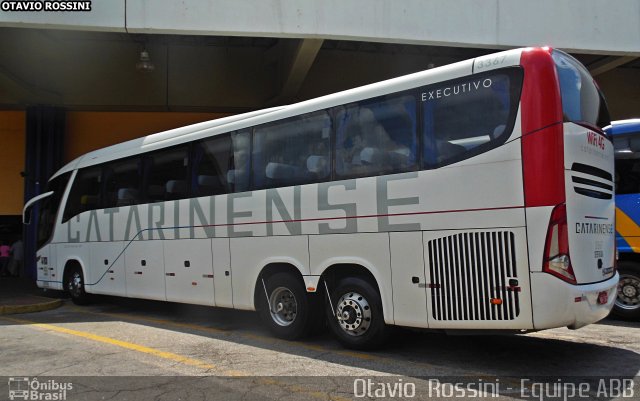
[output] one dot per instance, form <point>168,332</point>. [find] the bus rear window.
<point>582,101</point>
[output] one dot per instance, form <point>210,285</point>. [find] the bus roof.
<point>622,127</point>
<point>236,122</point>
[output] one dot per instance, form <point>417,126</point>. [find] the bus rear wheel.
<point>355,314</point>
<point>286,308</point>
<point>74,285</point>
<point>627,305</point>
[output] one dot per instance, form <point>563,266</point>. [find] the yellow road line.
<point>171,356</point>
<point>123,344</point>
<point>151,320</point>
<point>312,347</point>
<point>257,337</point>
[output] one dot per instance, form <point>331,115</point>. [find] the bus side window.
<point>292,152</point>
<point>239,171</point>
<point>211,161</point>
<point>376,137</point>
<point>122,183</point>
<point>464,118</point>
<point>165,174</point>
<point>85,193</point>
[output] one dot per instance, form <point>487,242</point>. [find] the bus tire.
<point>358,322</point>
<point>627,305</point>
<point>291,314</point>
<point>74,286</point>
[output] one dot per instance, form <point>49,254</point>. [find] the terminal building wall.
<point>85,131</point>
<point>12,152</point>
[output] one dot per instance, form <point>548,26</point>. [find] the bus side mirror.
<point>26,210</point>
<point>26,217</point>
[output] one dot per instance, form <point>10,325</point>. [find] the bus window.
<point>240,165</point>
<point>292,152</point>
<point>465,117</point>
<point>211,161</point>
<point>122,183</point>
<point>165,174</point>
<point>376,137</point>
<point>85,193</point>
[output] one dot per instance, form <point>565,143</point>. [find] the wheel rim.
<point>75,284</point>
<point>354,314</point>
<point>628,292</point>
<point>284,307</point>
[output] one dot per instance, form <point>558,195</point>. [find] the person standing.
<point>17,256</point>
<point>5,251</point>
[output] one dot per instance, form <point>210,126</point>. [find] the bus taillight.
<point>556,250</point>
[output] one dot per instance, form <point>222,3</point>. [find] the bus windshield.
<point>582,101</point>
<point>49,208</point>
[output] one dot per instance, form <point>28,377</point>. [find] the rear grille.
<point>591,181</point>
<point>468,271</point>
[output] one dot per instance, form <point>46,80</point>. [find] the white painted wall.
<point>587,26</point>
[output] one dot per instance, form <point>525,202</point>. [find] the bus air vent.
<point>591,181</point>
<point>468,271</point>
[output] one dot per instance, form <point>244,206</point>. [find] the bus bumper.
<point>50,285</point>
<point>560,304</point>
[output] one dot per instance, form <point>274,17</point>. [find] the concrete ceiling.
<point>97,70</point>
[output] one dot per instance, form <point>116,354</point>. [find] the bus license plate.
<point>603,298</point>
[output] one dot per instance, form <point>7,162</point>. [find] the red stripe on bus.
<point>541,101</point>
<point>542,140</point>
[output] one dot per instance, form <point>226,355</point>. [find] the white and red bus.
<point>474,196</point>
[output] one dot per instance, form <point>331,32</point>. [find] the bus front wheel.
<point>286,308</point>
<point>355,314</point>
<point>627,304</point>
<point>74,285</point>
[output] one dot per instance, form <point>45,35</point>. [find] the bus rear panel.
<point>568,164</point>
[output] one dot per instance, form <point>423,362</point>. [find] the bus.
<point>18,388</point>
<point>626,143</point>
<point>473,196</point>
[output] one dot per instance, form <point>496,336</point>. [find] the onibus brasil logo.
<point>24,388</point>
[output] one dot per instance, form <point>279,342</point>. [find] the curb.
<point>39,307</point>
